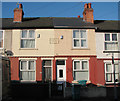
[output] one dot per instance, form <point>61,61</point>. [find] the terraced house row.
<point>61,49</point>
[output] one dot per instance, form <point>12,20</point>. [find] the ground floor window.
<point>80,70</point>
<point>27,70</point>
<point>109,72</point>
<point>47,70</point>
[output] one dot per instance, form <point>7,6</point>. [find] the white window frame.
<point>3,39</point>
<point>81,70</point>
<point>110,41</point>
<point>27,60</point>
<point>27,38</point>
<point>111,72</point>
<point>79,39</point>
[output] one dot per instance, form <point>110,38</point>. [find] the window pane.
<point>1,39</point>
<point>76,43</point>
<point>47,62</point>
<point>31,75</point>
<point>80,75</point>
<point>31,34</point>
<point>84,65</point>
<point>117,77</point>
<point>83,43</point>
<point>28,43</point>
<point>31,65</point>
<point>76,34</point>
<point>116,68</point>
<point>60,62</point>
<point>47,73</point>
<point>23,65</point>
<point>61,73</point>
<point>111,45</point>
<point>83,34</point>
<point>108,68</point>
<point>114,37</point>
<point>24,76</point>
<point>109,77</point>
<point>76,64</point>
<point>24,33</point>
<point>107,37</point>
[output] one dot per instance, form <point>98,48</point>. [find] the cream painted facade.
<point>50,43</point>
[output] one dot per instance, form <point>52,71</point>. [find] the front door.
<point>61,71</point>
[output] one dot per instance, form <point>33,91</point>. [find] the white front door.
<point>61,73</point>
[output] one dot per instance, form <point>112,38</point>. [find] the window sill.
<point>22,81</point>
<point>80,49</point>
<point>111,83</point>
<point>111,51</point>
<point>28,48</point>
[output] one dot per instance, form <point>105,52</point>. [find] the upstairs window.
<point>80,70</point>
<point>111,41</point>
<point>28,39</point>
<point>1,39</point>
<point>79,39</point>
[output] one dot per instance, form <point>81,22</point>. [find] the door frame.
<point>64,74</point>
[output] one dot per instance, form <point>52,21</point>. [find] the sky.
<point>102,10</point>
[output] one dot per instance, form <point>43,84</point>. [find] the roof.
<point>61,22</point>
<point>107,25</point>
<point>46,22</point>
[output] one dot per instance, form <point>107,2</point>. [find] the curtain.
<point>28,43</point>
<point>83,43</point>
<point>109,77</point>
<point>84,65</point>
<point>76,43</point>
<point>24,65</point>
<point>109,68</point>
<point>76,64</point>
<point>83,34</point>
<point>31,34</point>
<point>76,34</point>
<point>31,65</point>
<point>80,75</point>
<point>24,34</point>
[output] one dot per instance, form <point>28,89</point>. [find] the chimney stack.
<point>18,14</point>
<point>88,13</point>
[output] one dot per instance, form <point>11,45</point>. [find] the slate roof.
<point>61,22</point>
<point>107,25</point>
<point>46,22</point>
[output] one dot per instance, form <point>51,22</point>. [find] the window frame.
<point>112,72</point>
<point>79,39</point>
<point>27,70</point>
<point>81,70</point>
<point>111,41</point>
<point>51,66</point>
<point>3,39</point>
<point>27,38</point>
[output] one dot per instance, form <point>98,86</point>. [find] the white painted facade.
<point>100,46</point>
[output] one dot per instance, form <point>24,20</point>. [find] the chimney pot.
<point>20,5</point>
<point>78,16</point>
<point>89,5</point>
<point>86,6</point>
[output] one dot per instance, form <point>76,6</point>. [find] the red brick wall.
<point>100,72</point>
<point>38,69</point>
<point>92,69</point>
<point>14,63</point>
<point>54,70</point>
<point>69,70</point>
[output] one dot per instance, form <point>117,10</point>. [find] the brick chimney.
<point>88,13</point>
<point>18,14</point>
